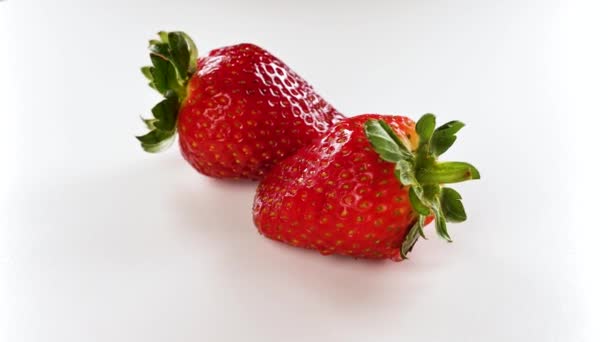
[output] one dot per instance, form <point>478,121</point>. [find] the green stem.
<point>410,239</point>
<point>446,173</point>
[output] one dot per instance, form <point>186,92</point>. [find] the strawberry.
<point>365,189</point>
<point>237,111</point>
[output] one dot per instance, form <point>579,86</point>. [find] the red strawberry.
<point>365,189</point>
<point>238,111</point>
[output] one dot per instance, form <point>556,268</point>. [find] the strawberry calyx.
<point>420,171</point>
<point>174,57</point>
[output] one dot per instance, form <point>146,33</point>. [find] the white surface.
<point>102,242</point>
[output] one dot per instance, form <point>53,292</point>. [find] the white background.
<point>102,242</point>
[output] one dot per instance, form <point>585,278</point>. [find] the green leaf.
<point>165,77</point>
<point>431,191</point>
<point>164,36</point>
<point>404,171</point>
<point>160,73</point>
<point>451,205</point>
<point>165,113</point>
<point>180,56</point>
<point>389,130</point>
<point>417,203</point>
<point>410,240</point>
<point>440,223</point>
<point>154,42</point>
<point>383,142</point>
<point>447,172</point>
<point>440,144</point>
<point>444,137</point>
<point>450,128</point>
<point>425,177</point>
<point>441,228</point>
<point>425,127</point>
<point>192,64</point>
<point>176,84</point>
<point>147,72</point>
<point>149,123</point>
<point>160,49</point>
<point>156,140</point>
<point>174,58</point>
<point>421,219</point>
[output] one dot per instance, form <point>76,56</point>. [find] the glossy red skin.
<point>245,111</point>
<point>337,196</point>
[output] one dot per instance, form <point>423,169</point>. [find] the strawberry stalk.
<point>420,171</point>
<point>174,57</point>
